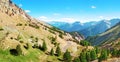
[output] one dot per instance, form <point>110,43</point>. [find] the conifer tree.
<point>83,57</point>
<point>93,55</point>
<point>76,60</point>
<point>88,57</point>
<point>103,55</point>
<point>44,47</point>
<point>67,57</point>
<point>58,51</point>
<point>52,52</point>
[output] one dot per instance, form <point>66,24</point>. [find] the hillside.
<point>108,37</point>
<point>19,31</point>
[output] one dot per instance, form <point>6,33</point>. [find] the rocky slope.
<point>18,28</point>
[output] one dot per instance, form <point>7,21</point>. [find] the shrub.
<point>60,35</point>
<point>34,26</point>
<point>76,60</point>
<point>1,29</point>
<point>14,52</point>
<point>19,24</point>
<point>19,50</point>
<point>21,41</point>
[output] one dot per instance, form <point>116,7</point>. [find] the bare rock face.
<point>6,6</point>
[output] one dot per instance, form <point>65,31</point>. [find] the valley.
<point>24,38</point>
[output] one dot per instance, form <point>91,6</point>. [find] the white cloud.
<point>68,20</point>
<point>27,11</point>
<point>42,17</point>
<point>56,14</point>
<point>101,17</point>
<point>93,7</point>
<point>20,5</point>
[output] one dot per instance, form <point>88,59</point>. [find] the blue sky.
<point>71,10</point>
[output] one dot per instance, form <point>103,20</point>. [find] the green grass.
<point>32,56</point>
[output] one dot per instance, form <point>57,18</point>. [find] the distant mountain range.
<point>109,38</point>
<point>88,28</point>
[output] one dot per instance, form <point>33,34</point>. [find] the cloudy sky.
<point>71,10</point>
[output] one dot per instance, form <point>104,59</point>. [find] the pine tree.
<point>114,53</point>
<point>58,51</point>
<point>44,47</point>
<point>93,55</point>
<point>83,57</point>
<point>118,53</point>
<point>103,55</point>
<point>88,57</point>
<point>76,60</point>
<point>52,52</point>
<point>97,50</point>
<point>67,57</point>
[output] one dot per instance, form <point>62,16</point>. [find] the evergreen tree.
<point>83,57</point>
<point>76,60</point>
<point>44,47</point>
<point>118,53</point>
<point>97,50</point>
<point>114,52</point>
<point>103,55</point>
<point>67,57</point>
<point>58,51</point>
<point>52,52</point>
<point>93,55</point>
<point>88,57</point>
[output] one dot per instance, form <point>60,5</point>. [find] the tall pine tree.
<point>58,51</point>
<point>88,57</point>
<point>93,55</point>
<point>103,55</point>
<point>83,57</point>
<point>67,57</point>
<point>52,52</point>
<point>44,47</point>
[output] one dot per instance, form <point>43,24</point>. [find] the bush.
<point>19,50</point>
<point>21,41</point>
<point>76,60</point>
<point>14,52</point>
<point>34,26</point>
<point>1,29</point>
<point>60,35</point>
<point>19,24</point>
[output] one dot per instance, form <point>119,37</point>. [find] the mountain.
<point>108,38</point>
<point>100,27</point>
<point>88,28</point>
<point>70,27</point>
<point>22,38</point>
